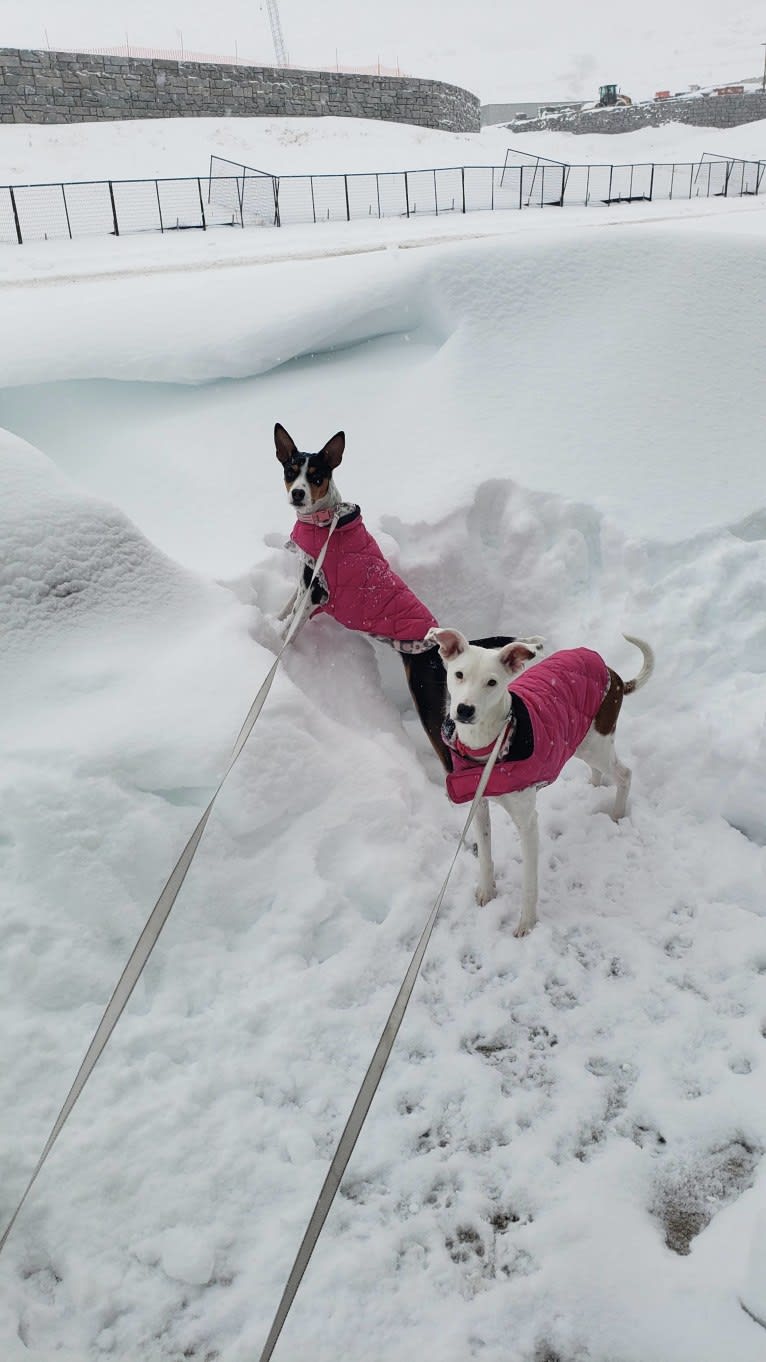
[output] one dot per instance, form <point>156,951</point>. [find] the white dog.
<point>565,706</point>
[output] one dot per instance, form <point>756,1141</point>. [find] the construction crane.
<point>276,32</point>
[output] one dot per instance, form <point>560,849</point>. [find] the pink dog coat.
<point>362,590</point>
<point>560,697</point>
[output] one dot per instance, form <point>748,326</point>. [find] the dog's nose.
<point>298,496</point>
<point>465,713</point>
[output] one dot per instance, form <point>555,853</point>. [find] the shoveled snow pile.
<point>564,1159</point>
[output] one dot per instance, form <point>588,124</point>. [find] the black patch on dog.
<point>318,470</point>
<point>497,641</point>
<point>293,466</point>
<point>318,594</point>
<point>523,741</point>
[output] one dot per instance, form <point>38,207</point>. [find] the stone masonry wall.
<point>715,111</point>
<point>65,87</point>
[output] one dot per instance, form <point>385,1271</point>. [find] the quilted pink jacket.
<point>562,696</point>
<point>364,591</point>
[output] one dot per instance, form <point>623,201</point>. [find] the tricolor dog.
<point>564,706</point>
<point>356,585</point>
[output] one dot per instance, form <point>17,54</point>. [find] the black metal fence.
<point>235,195</point>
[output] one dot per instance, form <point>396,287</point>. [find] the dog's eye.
<point>492,681</point>
<point>458,676</point>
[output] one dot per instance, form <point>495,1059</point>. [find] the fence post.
<point>348,210</point>
<point>201,204</point>
<point>15,215</point>
<point>407,193</point>
<point>114,210</point>
<point>159,204</point>
<point>492,189</point>
<point>587,188</point>
<point>609,191</point>
<point>277,218</point>
<point>377,190</point>
<point>521,186</point>
<point>313,204</point>
<point>462,178</point>
<point>651,184</point>
<point>672,179</point>
<point>66,210</point>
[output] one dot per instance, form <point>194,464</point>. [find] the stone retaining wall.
<point>715,111</point>
<point>68,87</point>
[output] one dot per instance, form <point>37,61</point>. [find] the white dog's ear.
<point>285,443</point>
<point>451,642</point>
<point>515,656</point>
<point>333,450</point>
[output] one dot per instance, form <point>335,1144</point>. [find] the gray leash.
<point>348,1139</point>
<point>161,910</point>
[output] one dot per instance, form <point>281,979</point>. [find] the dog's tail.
<point>646,670</point>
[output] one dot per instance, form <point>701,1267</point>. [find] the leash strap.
<point>161,910</point>
<point>369,1087</point>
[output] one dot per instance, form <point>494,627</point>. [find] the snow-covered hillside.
<point>301,146</point>
<point>556,430</point>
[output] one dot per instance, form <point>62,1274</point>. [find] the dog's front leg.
<point>485,889</point>
<point>522,807</point>
<point>296,605</point>
<point>288,609</point>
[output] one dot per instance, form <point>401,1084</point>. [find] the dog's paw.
<point>485,894</point>
<point>525,926</point>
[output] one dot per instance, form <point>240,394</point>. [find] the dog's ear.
<point>515,656</point>
<point>451,642</point>
<point>333,450</point>
<point>285,443</point>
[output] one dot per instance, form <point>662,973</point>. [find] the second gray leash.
<point>369,1086</point>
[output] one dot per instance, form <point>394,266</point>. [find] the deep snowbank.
<point>610,367</point>
<point>570,1126</point>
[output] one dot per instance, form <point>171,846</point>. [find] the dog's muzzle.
<point>465,713</point>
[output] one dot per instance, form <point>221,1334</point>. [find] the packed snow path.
<point>565,1156</point>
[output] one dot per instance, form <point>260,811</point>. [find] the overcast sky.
<point>500,50</point>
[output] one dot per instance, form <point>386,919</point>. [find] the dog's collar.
<point>317,517</point>
<point>344,510</point>
<point>481,753</point>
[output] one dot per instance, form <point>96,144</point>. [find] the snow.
<point>554,427</point>
<point>171,147</point>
